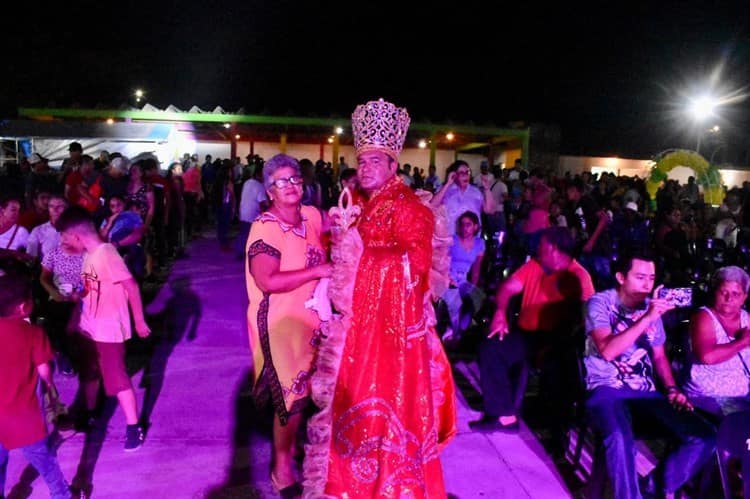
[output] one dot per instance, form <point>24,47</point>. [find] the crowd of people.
<point>567,270</point>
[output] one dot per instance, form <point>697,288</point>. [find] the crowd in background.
<point>498,218</point>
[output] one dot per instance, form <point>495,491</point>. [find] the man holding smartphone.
<point>624,347</point>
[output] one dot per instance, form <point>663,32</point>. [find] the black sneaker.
<point>133,437</point>
<point>65,366</point>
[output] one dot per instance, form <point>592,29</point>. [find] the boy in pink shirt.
<point>104,323</point>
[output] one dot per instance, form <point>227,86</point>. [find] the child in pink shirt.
<point>104,323</point>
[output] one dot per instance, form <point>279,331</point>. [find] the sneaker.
<point>133,437</point>
<point>65,366</point>
<point>448,334</point>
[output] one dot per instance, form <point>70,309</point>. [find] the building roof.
<point>224,125</point>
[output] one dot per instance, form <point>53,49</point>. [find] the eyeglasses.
<point>283,182</point>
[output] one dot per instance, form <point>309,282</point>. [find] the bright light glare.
<point>422,144</point>
<point>110,121</point>
<point>449,136</point>
<point>227,125</point>
<point>716,129</point>
<point>139,93</point>
<point>703,107</point>
<point>339,130</point>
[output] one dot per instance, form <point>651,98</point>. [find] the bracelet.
<point>673,388</point>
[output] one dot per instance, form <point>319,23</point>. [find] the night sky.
<point>614,78</point>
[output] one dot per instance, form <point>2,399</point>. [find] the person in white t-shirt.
<point>45,238</point>
<point>496,221</point>
<point>484,177</point>
<point>13,237</point>
<point>253,202</point>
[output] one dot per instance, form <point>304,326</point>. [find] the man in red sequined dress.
<point>386,391</point>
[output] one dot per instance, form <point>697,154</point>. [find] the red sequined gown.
<point>393,407</point>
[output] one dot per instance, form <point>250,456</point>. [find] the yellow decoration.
<point>706,175</point>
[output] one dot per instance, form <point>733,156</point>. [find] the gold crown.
<point>380,126</point>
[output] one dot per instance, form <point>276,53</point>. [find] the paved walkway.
<point>206,441</point>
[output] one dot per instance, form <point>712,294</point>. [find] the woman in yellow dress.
<point>285,261</point>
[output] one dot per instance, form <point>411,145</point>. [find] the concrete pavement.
<point>205,440</point>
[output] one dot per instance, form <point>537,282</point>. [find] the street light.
<point>702,108</point>
<point>138,95</point>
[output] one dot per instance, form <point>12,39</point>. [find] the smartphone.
<point>677,297</point>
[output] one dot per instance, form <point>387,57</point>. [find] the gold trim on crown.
<point>380,126</point>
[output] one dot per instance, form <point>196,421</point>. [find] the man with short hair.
<point>45,237</point>
<point>499,190</point>
<point>73,161</point>
<point>485,176</point>
<point>193,194</point>
<point>624,347</point>
<point>37,213</point>
<point>40,178</point>
<point>104,323</point>
<point>432,182</point>
<point>554,287</point>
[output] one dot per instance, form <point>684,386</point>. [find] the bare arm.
<point>150,210</point>
<point>600,226</point>
<point>46,374</point>
<point>133,238</point>
<point>662,367</point>
<point>488,205</point>
<point>508,289</point>
<point>475,268</point>
<point>703,339</point>
<point>136,307</point>
<point>83,191</point>
<point>664,371</point>
<point>437,200</point>
<point>47,283</point>
<point>104,230</point>
<point>265,270</point>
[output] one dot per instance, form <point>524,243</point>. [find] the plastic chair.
<point>733,440</point>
